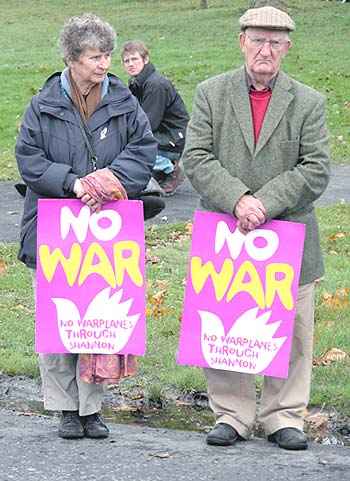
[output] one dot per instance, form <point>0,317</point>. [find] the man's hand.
<point>250,213</point>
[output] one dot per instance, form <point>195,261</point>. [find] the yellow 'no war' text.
<point>78,266</point>
<point>278,281</point>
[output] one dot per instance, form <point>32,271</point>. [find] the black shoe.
<point>289,438</point>
<point>222,435</point>
<point>94,427</point>
<point>70,426</point>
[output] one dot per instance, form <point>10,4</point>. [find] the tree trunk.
<point>204,4</point>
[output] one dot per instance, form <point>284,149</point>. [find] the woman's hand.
<point>78,189</point>
<point>92,203</point>
<point>86,198</point>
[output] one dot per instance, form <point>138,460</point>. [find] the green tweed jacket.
<point>287,170</point>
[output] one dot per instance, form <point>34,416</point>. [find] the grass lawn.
<point>167,262</point>
<point>187,44</point>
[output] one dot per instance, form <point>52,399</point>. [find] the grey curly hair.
<point>85,31</point>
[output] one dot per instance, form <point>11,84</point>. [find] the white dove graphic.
<point>106,324</point>
<point>249,332</point>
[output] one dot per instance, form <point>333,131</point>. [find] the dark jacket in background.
<point>164,107</point>
<point>51,153</point>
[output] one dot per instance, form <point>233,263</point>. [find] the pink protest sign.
<point>90,278</point>
<point>240,297</point>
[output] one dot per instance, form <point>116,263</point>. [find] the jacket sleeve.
<point>44,177</point>
<point>210,179</point>
<point>133,166</point>
<point>305,182</point>
<point>154,103</point>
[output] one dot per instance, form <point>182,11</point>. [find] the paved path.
<point>178,208</point>
<point>30,450</point>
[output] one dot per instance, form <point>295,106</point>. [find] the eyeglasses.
<point>259,42</point>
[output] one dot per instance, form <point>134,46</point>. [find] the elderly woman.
<point>83,135</point>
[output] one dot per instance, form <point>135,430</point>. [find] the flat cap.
<point>267,17</point>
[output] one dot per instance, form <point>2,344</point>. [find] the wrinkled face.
<point>91,67</point>
<point>264,50</point>
<point>133,63</point>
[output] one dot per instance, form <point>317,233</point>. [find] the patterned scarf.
<point>86,104</point>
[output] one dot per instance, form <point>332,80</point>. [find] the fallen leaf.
<point>337,235</point>
<point>317,420</point>
<point>22,308</point>
<point>152,259</point>
<point>137,396</point>
<point>333,355</point>
<point>162,284</point>
<point>158,297</point>
<point>189,227</point>
<point>317,424</point>
<point>340,299</point>
<point>3,267</point>
<point>180,237</point>
<point>155,306</point>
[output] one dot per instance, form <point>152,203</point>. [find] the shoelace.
<point>94,418</point>
<point>68,417</point>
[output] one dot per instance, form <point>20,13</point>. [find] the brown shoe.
<point>172,181</point>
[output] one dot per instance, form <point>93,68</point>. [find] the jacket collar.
<point>54,98</point>
<point>66,85</point>
<point>140,79</point>
<point>239,97</point>
<point>56,91</point>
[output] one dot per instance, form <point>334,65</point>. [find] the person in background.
<point>85,136</point>
<point>257,148</point>
<point>165,109</point>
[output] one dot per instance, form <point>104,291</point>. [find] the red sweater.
<point>259,101</point>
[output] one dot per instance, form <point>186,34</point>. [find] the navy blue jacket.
<point>164,107</point>
<point>51,153</point>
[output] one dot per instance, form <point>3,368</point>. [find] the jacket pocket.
<point>28,236</point>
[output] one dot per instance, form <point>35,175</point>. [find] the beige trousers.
<point>232,395</point>
<point>62,388</point>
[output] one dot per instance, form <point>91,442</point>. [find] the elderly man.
<point>165,110</point>
<point>257,148</point>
